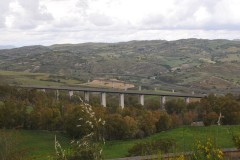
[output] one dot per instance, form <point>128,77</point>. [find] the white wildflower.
<point>103,122</point>
<point>88,122</point>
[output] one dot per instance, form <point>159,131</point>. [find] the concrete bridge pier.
<point>141,99</point>
<point>57,95</point>
<point>187,100</point>
<point>86,96</point>
<point>70,93</point>
<point>103,99</point>
<point>121,100</point>
<point>140,88</point>
<point>162,102</point>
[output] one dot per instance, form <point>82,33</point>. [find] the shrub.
<point>206,150</point>
<point>236,140</point>
<point>115,127</point>
<point>164,123</point>
<point>131,127</point>
<point>189,117</point>
<point>12,114</point>
<point>84,148</point>
<point>72,120</point>
<point>176,120</point>
<point>152,147</point>
<point>210,119</point>
<point>90,144</point>
<point>230,111</point>
<point>147,122</point>
<point>45,118</point>
<point>175,106</point>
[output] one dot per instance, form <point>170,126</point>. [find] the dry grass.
<point>113,83</point>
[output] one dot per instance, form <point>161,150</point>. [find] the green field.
<point>185,137</point>
<point>40,144</point>
<point>35,144</point>
<point>35,79</point>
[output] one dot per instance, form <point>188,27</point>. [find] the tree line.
<point>33,109</point>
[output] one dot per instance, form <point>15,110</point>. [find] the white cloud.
<point>4,8</point>
<point>28,14</point>
<point>202,16</point>
<point>100,19</point>
<point>73,21</point>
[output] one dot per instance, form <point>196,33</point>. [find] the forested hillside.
<point>191,63</point>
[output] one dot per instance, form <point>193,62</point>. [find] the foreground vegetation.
<point>88,126</point>
<point>40,144</point>
<point>185,138</point>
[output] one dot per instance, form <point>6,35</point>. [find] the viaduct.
<point>121,94</point>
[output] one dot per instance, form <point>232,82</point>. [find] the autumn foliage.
<point>33,109</point>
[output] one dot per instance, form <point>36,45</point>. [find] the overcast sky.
<point>46,22</point>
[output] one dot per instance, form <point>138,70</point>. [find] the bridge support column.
<point>121,100</point>
<point>141,99</point>
<point>86,96</point>
<point>103,99</point>
<point>162,102</point>
<point>187,100</point>
<point>57,95</point>
<point>70,93</point>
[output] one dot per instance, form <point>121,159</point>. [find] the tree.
<point>115,127</point>
<point>210,118</point>
<point>230,110</point>
<point>12,113</point>
<point>164,123</point>
<point>175,106</point>
<point>147,122</point>
<point>131,127</point>
<point>210,103</point>
<point>72,121</point>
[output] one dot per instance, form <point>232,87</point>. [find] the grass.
<point>35,79</point>
<point>206,60</point>
<point>40,144</point>
<point>231,57</point>
<point>185,137</point>
<point>173,61</point>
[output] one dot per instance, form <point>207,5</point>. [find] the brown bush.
<point>210,118</point>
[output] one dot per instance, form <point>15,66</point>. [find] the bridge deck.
<point>112,91</point>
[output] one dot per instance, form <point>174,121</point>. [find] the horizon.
<point>13,46</point>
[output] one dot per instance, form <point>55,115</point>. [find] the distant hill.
<point>191,63</point>
<point>6,46</point>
